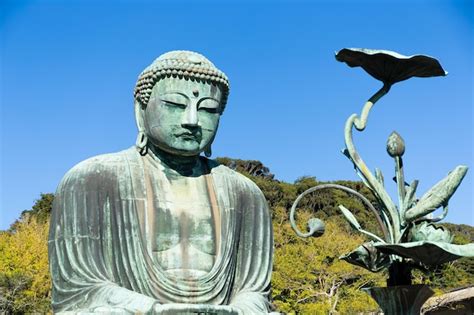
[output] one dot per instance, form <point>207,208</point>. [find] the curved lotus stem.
<point>370,180</point>
<point>313,229</point>
<point>361,123</point>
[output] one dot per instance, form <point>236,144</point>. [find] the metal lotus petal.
<point>350,217</point>
<point>425,231</point>
<point>438,195</point>
<point>391,67</point>
<point>367,256</point>
<point>428,253</point>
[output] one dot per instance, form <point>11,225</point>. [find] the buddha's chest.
<point>183,227</point>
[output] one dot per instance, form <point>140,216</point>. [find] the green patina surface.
<point>158,228</point>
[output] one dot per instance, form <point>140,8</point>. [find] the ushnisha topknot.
<point>182,64</point>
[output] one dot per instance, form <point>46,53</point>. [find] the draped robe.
<point>100,244</point>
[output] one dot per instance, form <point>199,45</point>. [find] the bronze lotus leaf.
<point>428,253</point>
<point>390,67</point>
<point>368,256</point>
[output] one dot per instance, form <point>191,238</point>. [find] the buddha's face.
<point>182,115</point>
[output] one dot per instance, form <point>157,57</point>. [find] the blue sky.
<point>68,69</point>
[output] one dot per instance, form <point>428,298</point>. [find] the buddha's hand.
<point>194,309</point>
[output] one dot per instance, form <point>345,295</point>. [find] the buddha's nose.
<point>190,117</point>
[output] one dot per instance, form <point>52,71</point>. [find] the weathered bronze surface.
<point>402,299</point>
<point>157,228</point>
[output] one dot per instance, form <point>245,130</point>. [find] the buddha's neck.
<point>184,165</point>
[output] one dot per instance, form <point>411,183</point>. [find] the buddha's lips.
<point>187,135</point>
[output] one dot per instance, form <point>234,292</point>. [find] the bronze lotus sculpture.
<point>410,239</point>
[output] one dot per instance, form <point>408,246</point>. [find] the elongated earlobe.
<point>141,143</point>
<point>142,139</point>
<point>208,151</point>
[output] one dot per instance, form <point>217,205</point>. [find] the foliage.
<point>251,167</point>
<point>309,278</point>
<point>24,275</point>
<point>463,233</point>
<point>40,211</point>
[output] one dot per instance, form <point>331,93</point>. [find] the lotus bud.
<point>395,145</point>
<point>316,227</point>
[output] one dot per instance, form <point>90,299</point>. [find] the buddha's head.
<point>179,99</point>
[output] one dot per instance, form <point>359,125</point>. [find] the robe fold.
<point>100,247</point>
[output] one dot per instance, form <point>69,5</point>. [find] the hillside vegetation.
<point>308,277</point>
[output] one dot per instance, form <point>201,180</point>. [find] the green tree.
<point>25,283</point>
<point>308,276</point>
<point>40,211</point>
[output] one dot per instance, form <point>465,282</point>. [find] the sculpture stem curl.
<point>314,229</point>
<point>361,123</point>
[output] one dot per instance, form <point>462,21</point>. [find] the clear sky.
<point>68,69</point>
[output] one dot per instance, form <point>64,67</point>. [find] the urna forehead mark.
<point>187,88</point>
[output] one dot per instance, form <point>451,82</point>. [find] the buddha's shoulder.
<point>233,177</point>
<point>103,165</point>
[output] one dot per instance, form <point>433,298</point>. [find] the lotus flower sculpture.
<point>410,239</point>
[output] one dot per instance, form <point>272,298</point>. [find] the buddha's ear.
<point>142,138</point>
<point>140,115</point>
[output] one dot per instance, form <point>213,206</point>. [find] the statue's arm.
<point>85,263</point>
<point>255,255</point>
